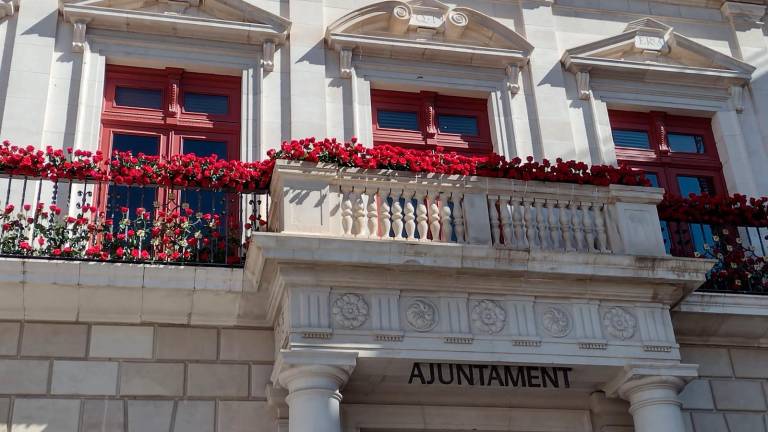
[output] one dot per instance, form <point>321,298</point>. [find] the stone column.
<point>652,394</point>
<point>314,380</point>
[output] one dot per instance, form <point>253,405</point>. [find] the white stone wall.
<point>93,377</point>
<point>732,390</point>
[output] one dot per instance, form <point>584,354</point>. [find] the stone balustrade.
<point>507,214</point>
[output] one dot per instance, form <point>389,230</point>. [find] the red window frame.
<point>660,159</point>
<point>668,165</point>
<point>171,123</point>
<point>428,106</point>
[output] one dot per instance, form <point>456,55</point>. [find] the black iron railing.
<point>98,220</point>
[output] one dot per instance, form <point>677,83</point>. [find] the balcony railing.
<point>384,205</point>
<point>740,253</point>
<point>99,220</point>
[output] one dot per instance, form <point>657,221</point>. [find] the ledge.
<point>383,264</point>
<point>120,292</point>
<point>722,319</point>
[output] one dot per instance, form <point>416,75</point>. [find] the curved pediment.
<point>429,30</point>
<point>651,50</point>
<point>225,20</point>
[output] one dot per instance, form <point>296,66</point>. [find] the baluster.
<point>458,219</point>
<point>373,214</point>
<point>410,217</point>
<point>359,214</point>
<point>530,224</point>
<point>589,230</point>
<point>578,231</point>
<point>506,222</point>
<point>565,225</point>
<point>494,215</point>
<point>421,216</point>
<point>385,221</point>
<point>434,217</point>
<point>517,223</point>
<point>445,219</point>
<point>397,216</point>
<point>602,236</point>
<point>554,226</point>
<point>346,211</point>
<point>542,226</point>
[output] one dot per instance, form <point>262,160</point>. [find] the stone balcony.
<point>424,266</point>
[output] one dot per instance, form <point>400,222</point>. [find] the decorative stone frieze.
<point>556,321</point>
<point>619,323</point>
<point>488,316</point>
<point>421,314</point>
<point>350,311</point>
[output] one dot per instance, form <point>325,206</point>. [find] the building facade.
<point>377,300</point>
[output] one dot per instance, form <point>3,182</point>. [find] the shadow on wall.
<point>22,427</point>
<point>5,63</point>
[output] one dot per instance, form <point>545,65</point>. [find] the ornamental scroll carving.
<point>619,323</point>
<point>556,321</point>
<point>350,311</point>
<point>421,315</point>
<point>488,316</point>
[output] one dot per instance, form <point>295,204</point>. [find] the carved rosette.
<point>350,311</point>
<point>619,323</point>
<point>556,321</point>
<point>488,316</point>
<point>421,315</point>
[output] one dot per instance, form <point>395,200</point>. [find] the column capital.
<point>635,377</point>
<point>301,370</point>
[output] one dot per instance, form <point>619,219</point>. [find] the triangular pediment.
<point>649,48</point>
<point>226,20</point>
<point>430,30</point>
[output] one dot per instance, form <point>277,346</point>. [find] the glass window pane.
<point>686,143</point>
<point>653,178</point>
<point>147,144</point>
<point>631,139</point>
<point>695,185</point>
<point>205,103</point>
<point>456,124</point>
<point>132,197</point>
<point>202,147</point>
<point>139,98</point>
<point>397,120</point>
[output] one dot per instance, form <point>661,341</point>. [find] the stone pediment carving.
<point>649,50</point>
<point>428,30</point>
<point>223,20</point>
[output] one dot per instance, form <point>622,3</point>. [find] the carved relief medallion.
<point>556,321</point>
<point>619,323</point>
<point>421,314</point>
<point>350,311</point>
<point>488,316</point>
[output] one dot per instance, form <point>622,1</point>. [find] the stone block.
<point>250,345</point>
<point>242,416</point>
<point>214,307</point>
<point>194,416</point>
<point>741,422</point>
<point>59,415</point>
<point>55,340</point>
<point>5,413</point>
<point>187,343</point>
<point>738,395</point>
<point>260,378</point>
<point>121,341</point>
<point>709,422</point>
<point>84,378</point>
<point>11,301</point>
<point>103,416</point>
<point>23,376</point>
<point>750,363</point>
<point>166,305</point>
<point>151,379</point>
<point>226,380</point>
<point>697,395</point>
<point>713,362</point>
<point>9,338</point>
<point>149,415</point>
<point>109,304</point>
